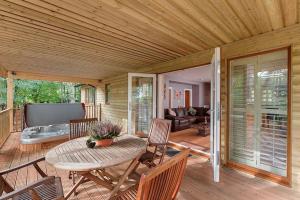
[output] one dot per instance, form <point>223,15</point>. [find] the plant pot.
<point>104,142</point>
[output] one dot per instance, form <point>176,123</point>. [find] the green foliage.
<point>2,93</point>
<point>30,91</point>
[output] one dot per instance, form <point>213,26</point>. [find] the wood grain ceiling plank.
<point>298,11</point>
<point>38,32</point>
<point>289,11</point>
<point>274,10</point>
<point>238,8</point>
<point>153,35</point>
<point>111,15</point>
<point>205,21</point>
<point>58,47</point>
<point>162,27</point>
<point>30,65</point>
<point>259,15</point>
<point>112,63</point>
<point>94,46</point>
<point>76,54</point>
<point>108,16</point>
<point>223,11</point>
<point>41,20</point>
<point>215,20</point>
<point>179,21</point>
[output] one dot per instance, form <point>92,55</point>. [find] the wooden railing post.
<point>10,99</point>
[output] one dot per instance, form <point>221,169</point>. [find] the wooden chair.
<point>48,187</point>
<point>157,139</point>
<point>79,127</point>
<point>159,183</point>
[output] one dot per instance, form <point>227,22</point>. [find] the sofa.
<point>184,119</point>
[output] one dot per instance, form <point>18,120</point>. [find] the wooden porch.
<point>197,182</point>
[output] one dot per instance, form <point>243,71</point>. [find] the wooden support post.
<point>10,98</point>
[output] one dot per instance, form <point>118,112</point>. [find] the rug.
<point>173,152</point>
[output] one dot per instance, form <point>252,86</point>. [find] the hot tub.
<point>38,137</point>
<point>48,124</point>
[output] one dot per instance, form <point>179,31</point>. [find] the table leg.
<point>85,177</point>
<point>128,171</point>
<point>81,180</point>
<point>96,179</point>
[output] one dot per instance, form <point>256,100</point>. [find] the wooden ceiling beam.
<point>45,77</point>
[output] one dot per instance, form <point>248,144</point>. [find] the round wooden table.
<point>75,156</point>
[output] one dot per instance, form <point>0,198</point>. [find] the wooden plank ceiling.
<point>97,39</point>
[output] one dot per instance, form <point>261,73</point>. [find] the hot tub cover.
<point>44,114</point>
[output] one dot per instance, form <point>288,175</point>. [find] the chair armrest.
<point>141,135</point>
<point>34,163</point>
<point>157,144</point>
<point>29,187</point>
<point>170,117</point>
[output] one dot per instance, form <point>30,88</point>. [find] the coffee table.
<point>203,128</point>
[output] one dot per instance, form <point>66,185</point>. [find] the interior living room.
<point>186,103</point>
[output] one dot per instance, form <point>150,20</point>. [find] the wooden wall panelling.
<point>295,136</point>
<point>264,42</point>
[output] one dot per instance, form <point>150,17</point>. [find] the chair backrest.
<point>159,131</point>
<point>46,188</point>
<point>80,127</point>
<point>163,181</point>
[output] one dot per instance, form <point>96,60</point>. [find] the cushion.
<point>172,112</point>
<point>180,112</point>
<point>208,112</point>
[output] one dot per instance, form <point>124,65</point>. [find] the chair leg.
<point>73,177</point>
<point>70,174</point>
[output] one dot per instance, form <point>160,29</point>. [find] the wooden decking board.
<point>197,183</point>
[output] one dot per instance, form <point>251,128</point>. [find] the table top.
<point>74,155</point>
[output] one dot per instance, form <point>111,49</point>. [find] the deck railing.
<point>93,111</point>
<point>18,119</point>
<point>4,125</point>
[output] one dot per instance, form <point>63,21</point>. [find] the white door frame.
<point>215,114</point>
<point>170,96</point>
<point>130,75</point>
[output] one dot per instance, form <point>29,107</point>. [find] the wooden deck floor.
<point>197,183</point>
<point>191,138</point>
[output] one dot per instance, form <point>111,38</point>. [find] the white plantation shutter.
<point>273,84</point>
<point>258,111</point>
<point>242,142</point>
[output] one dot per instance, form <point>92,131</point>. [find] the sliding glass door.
<point>259,111</point>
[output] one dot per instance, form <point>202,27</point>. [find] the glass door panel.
<point>141,102</point>
<point>258,111</point>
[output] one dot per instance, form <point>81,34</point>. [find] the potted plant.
<point>103,133</point>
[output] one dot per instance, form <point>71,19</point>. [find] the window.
<point>259,111</point>
<point>90,95</point>
<point>107,93</point>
